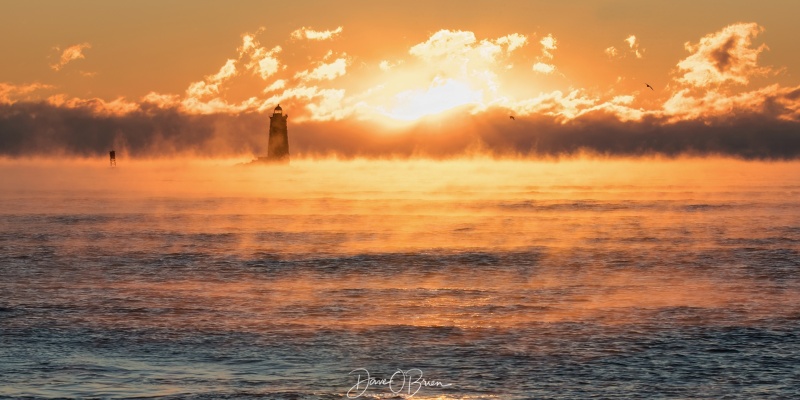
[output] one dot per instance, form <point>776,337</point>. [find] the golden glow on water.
<point>264,273</point>
<point>589,215</point>
<point>466,179</point>
<point>253,304</point>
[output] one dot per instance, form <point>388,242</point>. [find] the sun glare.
<point>440,96</point>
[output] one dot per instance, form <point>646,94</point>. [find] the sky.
<point>401,79</point>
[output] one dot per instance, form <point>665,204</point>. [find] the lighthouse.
<point>278,150</point>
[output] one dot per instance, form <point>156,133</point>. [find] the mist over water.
<point>508,279</point>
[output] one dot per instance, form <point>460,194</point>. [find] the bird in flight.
<point>512,117</point>
<point>648,85</point>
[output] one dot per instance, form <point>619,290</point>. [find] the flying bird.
<point>648,85</point>
<point>512,117</point>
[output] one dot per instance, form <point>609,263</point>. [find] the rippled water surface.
<point>490,279</point>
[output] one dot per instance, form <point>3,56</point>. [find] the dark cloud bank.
<point>41,129</point>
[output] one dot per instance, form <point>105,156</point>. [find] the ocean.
<point>424,279</point>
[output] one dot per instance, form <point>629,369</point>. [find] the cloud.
<point>454,75</point>
<point>249,43</point>
<point>466,72</point>
<point>217,105</point>
<point>633,44</point>
<point>31,129</point>
<point>605,134</point>
<point>328,71</point>
<point>208,96</point>
<point>723,56</point>
<point>228,70</point>
<point>459,53</point>
<point>42,129</point>
<point>554,104</point>
<point>329,106</point>
<point>98,107</point>
<point>277,85</point>
<point>265,62</point>
<point>773,101</point>
<point>385,65</point>
<point>261,61</point>
<point>463,46</point>
<point>215,92</point>
<point>618,107</point>
<point>70,54</point>
<point>512,41</point>
<point>543,68</point>
<point>444,44</point>
<point>548,45</point>
<point>11,93</point>
<point>321,104</point>
<point>210,85</point>
<point>310,34</point>
<point>205,97</point>
<point>161,100</point>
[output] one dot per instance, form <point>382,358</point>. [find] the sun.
<point>441,95</point>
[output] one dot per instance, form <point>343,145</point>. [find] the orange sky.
<point>363,65</point>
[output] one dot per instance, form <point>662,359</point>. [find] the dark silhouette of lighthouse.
<point>278,150</point>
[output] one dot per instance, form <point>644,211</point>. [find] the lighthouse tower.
<point>278,137</point>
